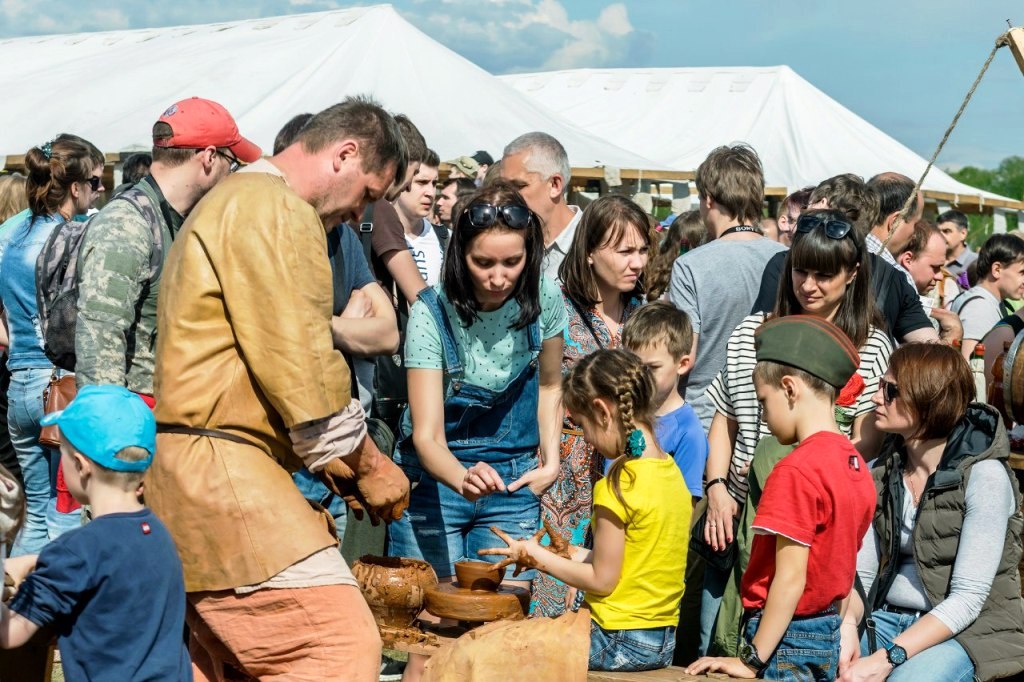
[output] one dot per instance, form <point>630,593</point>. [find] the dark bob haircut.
<point>816,251</point>
<point>455,278</point>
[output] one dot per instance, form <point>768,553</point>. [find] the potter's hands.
<point>733,667</point>
<point>519,552</point>
<point>368,481</point>
<point>718,522</point>
<point>873,668</point>
<point>849,645</point>
<point>537,480</point>
<point>950,327</point>
<point>480,480</point>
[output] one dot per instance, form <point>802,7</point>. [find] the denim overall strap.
<point>452,365</point>
<point>533,332</point>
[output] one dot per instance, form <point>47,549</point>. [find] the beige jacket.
<point>244,347</point>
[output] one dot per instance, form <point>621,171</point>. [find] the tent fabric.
<point>114,85</point>
<point>678,115</point>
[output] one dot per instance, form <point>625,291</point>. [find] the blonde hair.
<point>126,480</point>
<point>13,198</point>
<point>620,378</point>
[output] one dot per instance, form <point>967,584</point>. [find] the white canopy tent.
<point>677,115</point>
<point>111,87</point>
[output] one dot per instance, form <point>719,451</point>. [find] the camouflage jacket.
<point>115,337</point>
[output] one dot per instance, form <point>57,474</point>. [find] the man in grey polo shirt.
<point>953,226</point>
<point>538,166</point>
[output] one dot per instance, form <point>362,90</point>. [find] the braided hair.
<point>620,378</point>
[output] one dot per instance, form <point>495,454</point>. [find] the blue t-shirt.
<point>20,243</point>
<point>349,270</point>
<point>114,594</point>
<point>681,435</point>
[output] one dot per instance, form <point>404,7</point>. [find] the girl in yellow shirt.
<point>633,578</point>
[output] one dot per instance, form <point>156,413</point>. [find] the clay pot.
<point>478,575</point>
<point>393,587</point>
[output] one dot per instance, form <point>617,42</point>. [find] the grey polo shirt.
<point>554,253</point>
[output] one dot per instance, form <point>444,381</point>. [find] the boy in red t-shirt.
<point>817,504</point>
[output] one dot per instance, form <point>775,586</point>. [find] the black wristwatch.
<point>896,655</point>
<point>749,657</point>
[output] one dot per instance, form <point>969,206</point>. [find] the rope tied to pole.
<point>904,213</point>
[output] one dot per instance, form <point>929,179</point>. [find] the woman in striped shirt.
<point>825,275</point>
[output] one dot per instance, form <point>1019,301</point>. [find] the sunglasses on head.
<point>94,183</point>
<point>834,229</point>
<point>889,391</point>
<point>484,215</point>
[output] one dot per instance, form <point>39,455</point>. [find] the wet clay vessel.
<point>479,575</point>
<point>394,587</point>
<point>477,606</point>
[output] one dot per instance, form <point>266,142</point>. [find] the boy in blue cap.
<point>112,591</point>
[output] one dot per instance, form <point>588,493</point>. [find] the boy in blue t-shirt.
<point>661,336</point>
<point>112,591</point>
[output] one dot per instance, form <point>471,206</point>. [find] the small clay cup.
<point>479,575</point>
<point>393,587</point>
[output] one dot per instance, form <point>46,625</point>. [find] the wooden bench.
<point>663,675</point>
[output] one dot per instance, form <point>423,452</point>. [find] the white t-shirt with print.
<point>426,251</point>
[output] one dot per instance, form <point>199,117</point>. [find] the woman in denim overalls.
<point>483,352</point>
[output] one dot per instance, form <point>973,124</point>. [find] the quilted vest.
<point>995,641</point>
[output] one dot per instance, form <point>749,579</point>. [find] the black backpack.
<point>57,277</point>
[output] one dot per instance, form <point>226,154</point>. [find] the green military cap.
<point>811,344</point>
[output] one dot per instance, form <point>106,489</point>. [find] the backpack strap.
<point>443,236</point>
<point>366,236</point>
<point>151,214</point>
<point>1014,322</point>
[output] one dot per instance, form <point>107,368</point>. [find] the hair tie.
<point>636,443</point>
<point>47,149</point>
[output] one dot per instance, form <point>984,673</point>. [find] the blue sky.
<point>903,65</point>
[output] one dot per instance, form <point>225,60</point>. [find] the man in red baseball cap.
<point>196,144</point>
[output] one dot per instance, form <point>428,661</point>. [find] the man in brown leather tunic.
<point>250,388</point>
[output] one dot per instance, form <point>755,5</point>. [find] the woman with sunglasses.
<point>939,566</point>
<point>483,358</point>
<point>602,282</point>
<point>64,180</point>
<point>825,275</point>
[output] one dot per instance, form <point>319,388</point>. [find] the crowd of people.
<point>746,443</point>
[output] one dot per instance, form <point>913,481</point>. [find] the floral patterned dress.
<point>569,503</point>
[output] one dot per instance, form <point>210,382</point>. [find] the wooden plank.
<point>664,675</point>
<point>1017,461</point>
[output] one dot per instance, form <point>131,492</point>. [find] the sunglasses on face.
<point>94,183</point>
<point>889,391</point>
<point>484,215</point>
<point>834,229</point>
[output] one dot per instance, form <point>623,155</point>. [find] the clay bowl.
<point>393,587</point>
<point>478,575</point>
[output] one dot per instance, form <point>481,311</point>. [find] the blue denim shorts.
<point>631,650</point>
<point>808,651</point>
<point>442,527</point>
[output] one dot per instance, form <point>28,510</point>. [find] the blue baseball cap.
<point>103,420</point>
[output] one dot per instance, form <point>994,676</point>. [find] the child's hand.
<point>17,569</point>
<point>520,552</point>
<point>733,667</point>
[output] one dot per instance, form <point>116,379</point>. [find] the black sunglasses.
<point>834,229</point>
<point>484,215</point>
<point>890,391</point>
<point>94,183</point>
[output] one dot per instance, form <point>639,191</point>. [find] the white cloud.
<point>519,35</point>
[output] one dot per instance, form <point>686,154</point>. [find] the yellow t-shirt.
<point>657,532</point>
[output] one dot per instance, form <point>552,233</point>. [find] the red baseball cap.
<point>197,123</point>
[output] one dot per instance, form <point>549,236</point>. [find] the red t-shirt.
<point>822,496</point>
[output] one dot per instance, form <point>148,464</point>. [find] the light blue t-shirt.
<point>492,353</point>
<point>681,435</point>
<point>20,243</point>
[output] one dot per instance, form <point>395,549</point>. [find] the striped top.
<point>732,393</point>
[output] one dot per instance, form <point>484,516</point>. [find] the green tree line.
<point>1006,179</point>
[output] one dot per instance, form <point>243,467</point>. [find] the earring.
<point>636,443</point>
